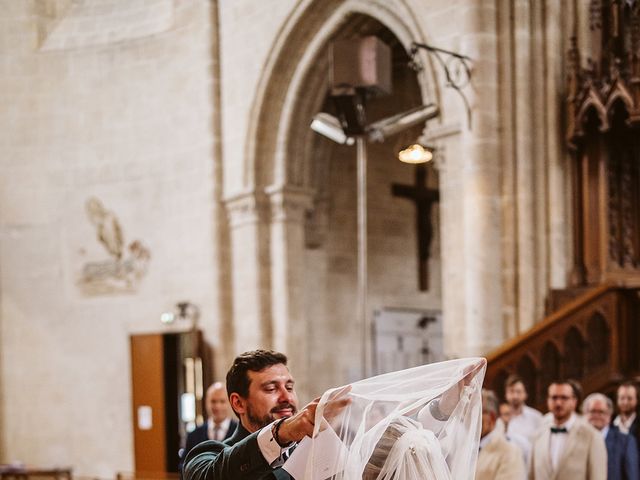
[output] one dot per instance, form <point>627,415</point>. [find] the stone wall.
<point>136,105</point>
<point>112,101</point>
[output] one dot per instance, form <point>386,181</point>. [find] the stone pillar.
<point>525,180</point>
<point>287,249</point>
<point>557,14</point>
<point>249,271</point>
<point>481,326</point>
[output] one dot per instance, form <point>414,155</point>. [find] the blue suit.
<point>622,455</point>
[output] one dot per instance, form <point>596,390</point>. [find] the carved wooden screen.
<point>604,133</point>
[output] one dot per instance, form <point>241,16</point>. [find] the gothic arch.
<point>598,344</point>
<point>293,86</point>
<point>573,354</point>
<point>527,370</point>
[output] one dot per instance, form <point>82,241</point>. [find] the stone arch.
<point>296,65</point>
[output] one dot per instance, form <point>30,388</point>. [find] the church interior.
<point>165,205</point>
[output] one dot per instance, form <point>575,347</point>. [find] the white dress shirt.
<point>220,432</point>
<point>559,440</point>
<point>526,424</point>
<point>624,426</point>
<point>271,451</point>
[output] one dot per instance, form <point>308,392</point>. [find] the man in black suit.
<point>622,452</point>
<point>262,394</point>
<point>219,425</point>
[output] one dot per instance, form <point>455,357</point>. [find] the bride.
<point>415,424</point>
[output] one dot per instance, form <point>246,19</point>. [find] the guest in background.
<point>498,458</point>
<point>521,442</point>
<point>627,418</point>
<point>525,420</point>
<point>219,425</point>
<point>504,412</point>
<point>569,448</point>
<point>622,452</point>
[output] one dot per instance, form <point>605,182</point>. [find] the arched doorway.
<point>310,186</point>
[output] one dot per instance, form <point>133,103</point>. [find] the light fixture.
<point>183,311</point>
<point>329,126</point>
<point>416,153</point>
<point>378,131</point>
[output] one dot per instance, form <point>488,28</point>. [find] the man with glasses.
<point>569,448</point>
<point>622,454</point>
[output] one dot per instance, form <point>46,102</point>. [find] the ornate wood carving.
<point>603,126</point>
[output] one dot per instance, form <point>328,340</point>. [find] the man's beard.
<point>268,418</point>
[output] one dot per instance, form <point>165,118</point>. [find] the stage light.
<point>378,131</point>
<point>329,126</point>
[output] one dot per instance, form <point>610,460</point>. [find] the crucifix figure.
<point>423,197</point>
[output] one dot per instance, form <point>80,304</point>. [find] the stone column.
<point>559,186</point>
<point>524,166</point>
<point>249,271</point>
<point>481,324</point>
<point>287,249</point>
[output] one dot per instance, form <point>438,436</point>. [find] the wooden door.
<point>149,407</point>
<point>165,368</point>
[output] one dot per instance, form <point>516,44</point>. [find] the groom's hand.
<point>296,427</point>
<point>451,397</point>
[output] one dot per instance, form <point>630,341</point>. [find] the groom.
<point>262,394</point>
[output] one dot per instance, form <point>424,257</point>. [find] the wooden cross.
<point>423,197</point>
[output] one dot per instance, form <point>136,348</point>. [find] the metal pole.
<point>363,314</point>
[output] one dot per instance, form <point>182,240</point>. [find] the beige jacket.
<point>500,460</point>
<point>584,456</point>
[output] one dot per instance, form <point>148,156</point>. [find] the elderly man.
<point>262,394</point>
<point>622,452</point>
<point>219,425</point>
<point>569,448</point>
<point>498,459</point>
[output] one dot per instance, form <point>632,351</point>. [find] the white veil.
<point>417,424</point>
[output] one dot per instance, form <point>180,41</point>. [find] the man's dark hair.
<point>578,392</point>
<point>254,361</point>
<point>576,387</point>
<point>512,380</point>
<point>634,385</point>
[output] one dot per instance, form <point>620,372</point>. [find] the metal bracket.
<point>457,69</point>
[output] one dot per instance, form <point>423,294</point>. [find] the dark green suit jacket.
<point>237,458</point>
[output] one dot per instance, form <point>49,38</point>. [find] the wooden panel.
<point>593,339</point>
<point>147,376</point>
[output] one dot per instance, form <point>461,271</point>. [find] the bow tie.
<point>558,430</point>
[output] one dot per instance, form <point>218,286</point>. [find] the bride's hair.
<point>406,451</point>
<point>417,424</point>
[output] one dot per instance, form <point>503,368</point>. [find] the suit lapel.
<point>572,438</point>
<point>542,452</point>
<point>239,434</point>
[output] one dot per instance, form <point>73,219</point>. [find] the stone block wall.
<point>109,100</point>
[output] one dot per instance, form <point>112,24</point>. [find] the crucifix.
<point>423,197</point>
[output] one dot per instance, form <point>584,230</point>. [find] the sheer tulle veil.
<point>417,424</point>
